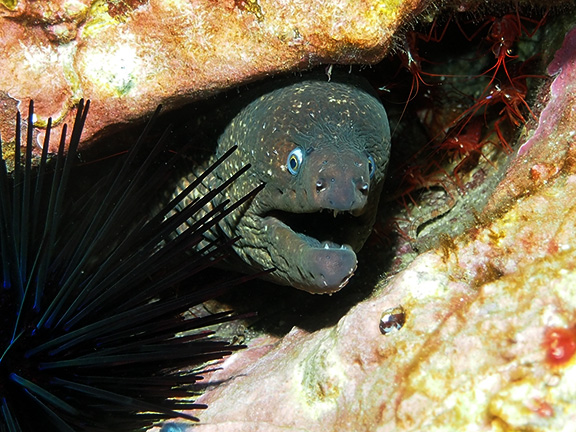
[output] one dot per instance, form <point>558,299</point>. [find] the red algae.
<point>560,345</point>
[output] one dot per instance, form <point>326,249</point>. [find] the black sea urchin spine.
<point>92,335</point>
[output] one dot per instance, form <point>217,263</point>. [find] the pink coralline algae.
<point>553,143</point>
<point>562,95</point>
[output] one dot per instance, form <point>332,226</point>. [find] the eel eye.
<point>294,161</point>
<point>371,166</point>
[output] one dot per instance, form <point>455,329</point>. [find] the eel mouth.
<point>324,228</point>
<point>318,247</point>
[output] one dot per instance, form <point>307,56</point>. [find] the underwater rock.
<point>552,145</point>
<point>128,57</point>
<point>483,332</point>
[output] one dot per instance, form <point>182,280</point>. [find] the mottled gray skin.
<point>337,126</point>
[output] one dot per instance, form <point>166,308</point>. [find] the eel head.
<point>322,153</point>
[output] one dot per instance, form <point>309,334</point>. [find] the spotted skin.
<point>321,148</point>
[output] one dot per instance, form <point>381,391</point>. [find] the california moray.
<point>321,148</point>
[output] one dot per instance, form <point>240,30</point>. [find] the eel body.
<point>321,149</point>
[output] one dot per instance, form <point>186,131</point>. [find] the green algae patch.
<point>9,4</point>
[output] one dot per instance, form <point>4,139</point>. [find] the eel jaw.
<point>312,251</point>
<point>330,267</point>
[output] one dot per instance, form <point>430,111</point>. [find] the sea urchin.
<point>92,333</point>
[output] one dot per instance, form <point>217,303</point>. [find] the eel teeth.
<point>345,281</point>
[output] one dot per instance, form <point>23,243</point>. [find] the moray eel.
<point>321,148</point>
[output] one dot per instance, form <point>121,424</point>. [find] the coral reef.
<point>476,333</point>
<point>483,336</point>
<point>544,154</point>
<point>127,57</point>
